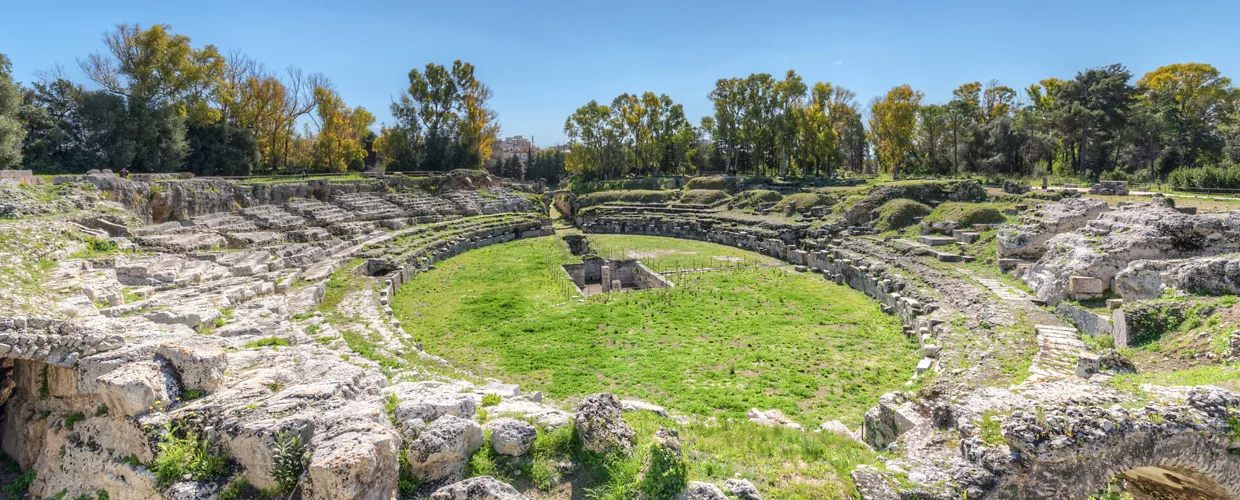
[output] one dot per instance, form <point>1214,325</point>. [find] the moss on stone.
<point>899,213</point>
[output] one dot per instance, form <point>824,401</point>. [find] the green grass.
<point>339,284</point>
<point>96,247</point>
<point>719,344</point>
<point>1225,376</point>
<point>267,342</point>
<point>657,254</point>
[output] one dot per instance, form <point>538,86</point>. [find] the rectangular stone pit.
<point>596,275</point>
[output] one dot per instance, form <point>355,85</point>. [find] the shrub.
<point>899,213</point>
<point>491,399</point>
<point>180,453</point>
<point>703,196</point>
<point>635,196</point>
<point>1219,177</point>
<point>286,459</point>
<point>666,475</point>
<point>750,200</point>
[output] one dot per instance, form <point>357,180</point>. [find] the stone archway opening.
<point>1163,483</point>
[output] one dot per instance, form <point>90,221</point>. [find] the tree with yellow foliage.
<point>338,143</point>
<point>893,122</point>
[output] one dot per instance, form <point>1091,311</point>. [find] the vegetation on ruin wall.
<point>718,344</point>
<point>703,196</point>
<point>648,183</point>
<point>635,196</point>
<point>783,463</point>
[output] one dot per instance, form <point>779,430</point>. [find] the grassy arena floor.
<point>719,343</point>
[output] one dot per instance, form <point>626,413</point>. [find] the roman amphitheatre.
<point>466,336</point>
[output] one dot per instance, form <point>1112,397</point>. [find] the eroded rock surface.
<point>1106,246</point>
<point>601,426</point>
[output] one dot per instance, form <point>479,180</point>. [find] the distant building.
<point>517,146</point>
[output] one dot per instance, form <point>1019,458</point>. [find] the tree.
<point>932,128</point>
<point>1194,100</point>
<point>156,67</point>
<point>221,149</point>
<point>853,143</point>
<point>11,130</point>
<point>893,122</point>
<point>444,116</point>
<point>338,143</point>
<point>1093,109</point>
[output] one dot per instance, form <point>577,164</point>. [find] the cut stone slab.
<point>935,241</point>
<point>1085,285</point>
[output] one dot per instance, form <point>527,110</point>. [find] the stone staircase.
<point>1059,351</point>
<point>224,222</point>
<point>421,205</point>
<point>368,206</point>
<point>1005,292</point>
<point>273,217</point>
<point>318,212</point>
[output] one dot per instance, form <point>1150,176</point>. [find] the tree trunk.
<point>1081,157</point>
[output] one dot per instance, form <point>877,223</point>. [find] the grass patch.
<point>340,283</point>
<point>804,202</point>
<point>968,214</point>
<point>1225,376</point>
<point>750,200</point>
<point>703,196</point>
<point>267,342</point>
<point>96,247</point>
<point>634,196</point>
<point>990,428</point>
<point>656,252</point>
<point>718,344</point>
<point>899,213</point>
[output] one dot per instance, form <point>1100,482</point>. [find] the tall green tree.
<point>11,130</point>
<point>1194,101</point>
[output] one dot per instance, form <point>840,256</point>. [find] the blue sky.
<point>544,59</point>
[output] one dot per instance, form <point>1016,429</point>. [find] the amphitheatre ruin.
<point>464,336</point>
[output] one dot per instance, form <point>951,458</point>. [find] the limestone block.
<point>133,388</point>
<point>1085,285</point>
<point>510,436</point>
<point>200,366</point>
<point>478,488</point>
<point>359,465</point>
<point>443,448</point>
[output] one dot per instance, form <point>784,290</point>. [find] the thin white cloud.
<point>839,63</point>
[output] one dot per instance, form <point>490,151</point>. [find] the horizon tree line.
<point>1178,118</point>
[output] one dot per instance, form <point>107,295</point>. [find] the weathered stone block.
<point>1085,285</point>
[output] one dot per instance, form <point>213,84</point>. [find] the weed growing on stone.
<point>267,342</point>
<point>73,418</point>
<point>491,399</point>
<point>990,431</point>
<point>288,460</point>
<point>181,452</point>
<point>17,488</point>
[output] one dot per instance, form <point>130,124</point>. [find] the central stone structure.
<point>595,275</point>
